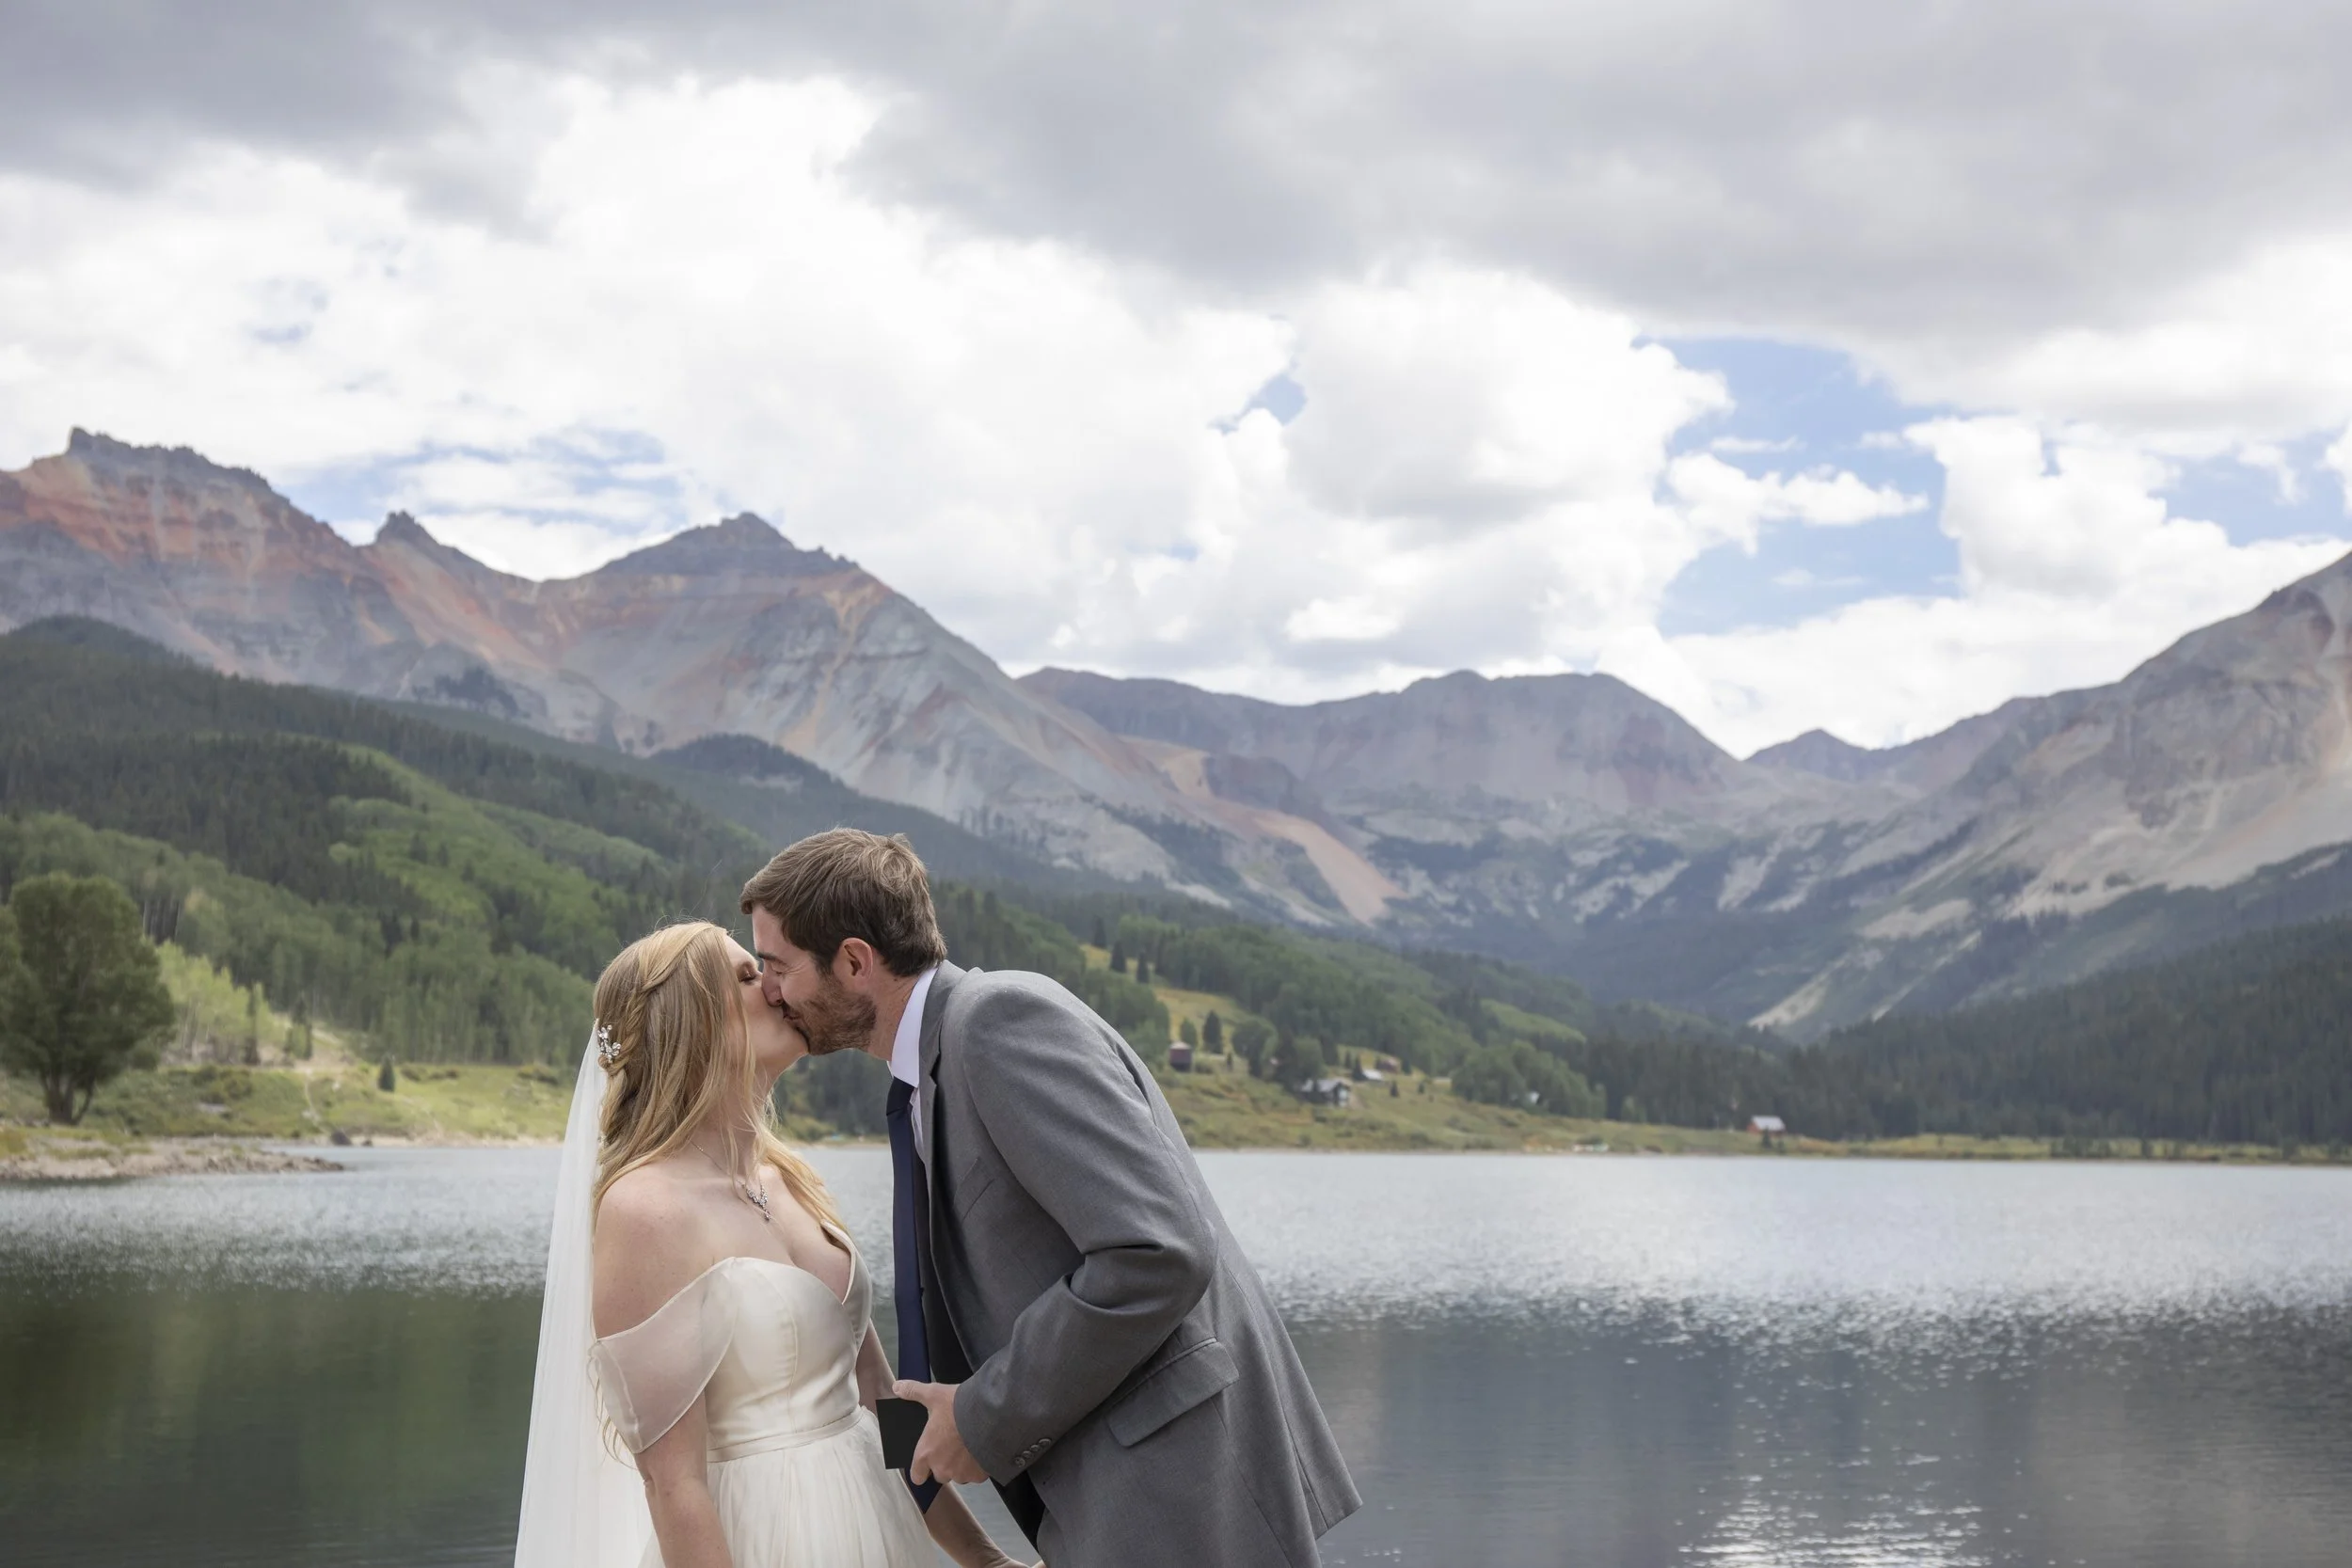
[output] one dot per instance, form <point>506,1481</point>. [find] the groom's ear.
<point>855,961</point>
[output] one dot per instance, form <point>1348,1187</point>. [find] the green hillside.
<point>428,891</point>
<point>2245,1042</point>
<point>442,889</point>
<point>441,896</point>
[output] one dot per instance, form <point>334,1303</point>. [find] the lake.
<point>1530,1361</point>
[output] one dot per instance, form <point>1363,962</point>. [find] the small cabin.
<point>1767,1127</point>
<point>1326,1091</point>
<point>1180,1055</point>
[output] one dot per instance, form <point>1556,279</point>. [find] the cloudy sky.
<point>1821,362</point>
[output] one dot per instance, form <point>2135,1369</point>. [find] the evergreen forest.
<point>443,887</point>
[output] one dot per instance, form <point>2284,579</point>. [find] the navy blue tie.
<point>909,1213</point>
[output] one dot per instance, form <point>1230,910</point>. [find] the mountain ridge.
<point>1935,869</point>
<point>1566,820</point>
<point>727,628</point>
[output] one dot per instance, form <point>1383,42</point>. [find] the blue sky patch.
<point>1796,409</point>
<point>583,472</point>
<point>2248,501</point>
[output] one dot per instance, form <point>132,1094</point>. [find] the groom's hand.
<point>939,1454</point>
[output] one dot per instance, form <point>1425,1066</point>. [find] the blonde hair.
<point>682,1047</point>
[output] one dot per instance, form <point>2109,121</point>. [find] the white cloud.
<point>1799,577</point>
<point>2337,458</point>
<point>703,307</point>
<point>2269,458</point>
<point>1474,479</point>
<point>705,312</point>
<point>1458,396</point>
<point>1357,620</point>
<point>697,272</point>
<point>1938,191</point>
<point>1730,504</point>
<point>2072,573</point>
<point>2253,351</point>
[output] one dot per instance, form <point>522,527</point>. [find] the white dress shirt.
<point>906,1059</point>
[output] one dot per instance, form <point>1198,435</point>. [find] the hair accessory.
<point>607,1052</point>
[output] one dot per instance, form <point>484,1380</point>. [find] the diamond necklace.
<point>755,1196</point>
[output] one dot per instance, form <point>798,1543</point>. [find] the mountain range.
<point>1567,820</point>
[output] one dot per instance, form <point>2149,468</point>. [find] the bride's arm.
<point>675,1470</point>
<point>955,1531</point>
<point>648,1249</point>
<point>953,1528</point>
<point>873,1371</point>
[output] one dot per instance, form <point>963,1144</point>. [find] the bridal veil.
<point>582,1507</point>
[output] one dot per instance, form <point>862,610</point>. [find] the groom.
<point>1072,1307</point>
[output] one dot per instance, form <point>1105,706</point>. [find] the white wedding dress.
<point>796,1463</point>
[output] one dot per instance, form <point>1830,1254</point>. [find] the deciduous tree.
<point>94,1001</point>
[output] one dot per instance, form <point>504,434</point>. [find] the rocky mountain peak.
<point>2330,588</point>
<point>749,530</point>
<point>1572,743</point>
<point>402,536</point>
<point>743,544</point>
<point>117,461</point>
<point>1822,754</point>
<point>129,502</point>
<point>400,528</point>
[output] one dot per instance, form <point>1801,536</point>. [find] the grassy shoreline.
<point>461,1105</point>
<point>312,1102</point>
<point>1220,1110</point>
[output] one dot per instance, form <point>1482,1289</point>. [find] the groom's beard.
<point>836,1019</point>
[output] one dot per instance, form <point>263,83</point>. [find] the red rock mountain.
<point>732,629</point>
<point>722,629</point>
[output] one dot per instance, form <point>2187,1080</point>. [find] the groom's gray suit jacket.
<point>1123,1354</point>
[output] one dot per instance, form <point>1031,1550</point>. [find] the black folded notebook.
<point>902,1424</point>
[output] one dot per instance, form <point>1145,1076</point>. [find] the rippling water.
<point>1529,1361</point>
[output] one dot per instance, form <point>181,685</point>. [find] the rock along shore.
<point>96,1160</point>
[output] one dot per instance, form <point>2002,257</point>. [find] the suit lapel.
<point>949,1357</point>
<point>927,1103</point>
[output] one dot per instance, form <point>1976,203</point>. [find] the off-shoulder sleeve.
<point>650,1375</point>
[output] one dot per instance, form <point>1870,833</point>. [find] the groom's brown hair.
<point>846,883</point>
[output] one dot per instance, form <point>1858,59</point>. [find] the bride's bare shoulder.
<point>649,1244</point>
<point>649,1195</point>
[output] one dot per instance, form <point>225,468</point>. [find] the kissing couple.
<point>1075,1321</point>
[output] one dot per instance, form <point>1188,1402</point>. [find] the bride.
<point>704,1309</point>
